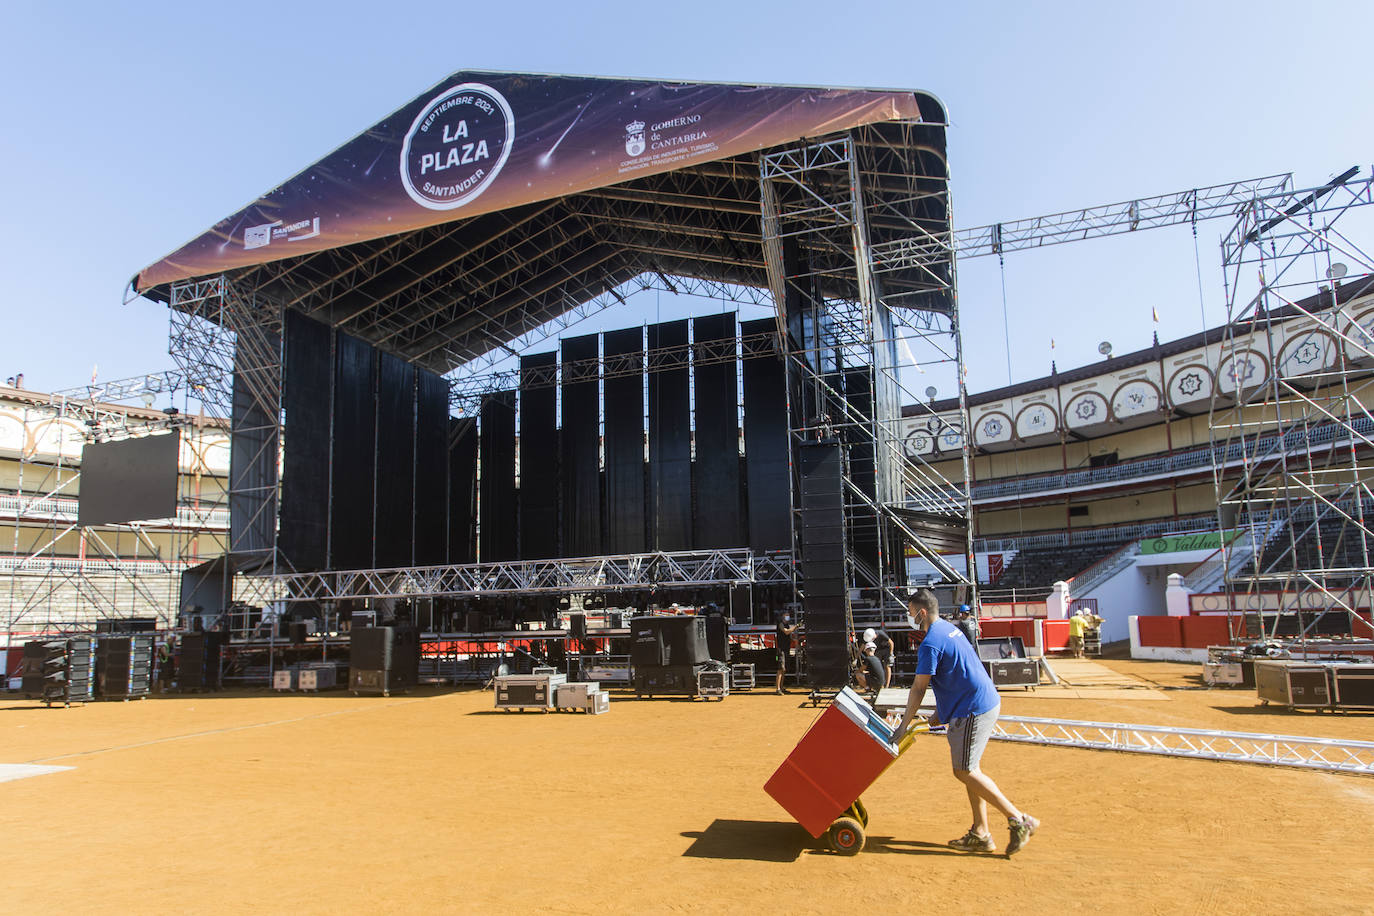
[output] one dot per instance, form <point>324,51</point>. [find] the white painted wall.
<point>1135,590</point>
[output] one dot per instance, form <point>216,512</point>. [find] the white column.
<point>1057,604</point>
<point>1176,597</point>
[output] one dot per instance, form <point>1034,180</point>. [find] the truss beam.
<point>679,569</point>
<point>1329,754</point>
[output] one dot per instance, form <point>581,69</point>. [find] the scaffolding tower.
<point>63,576</point>
<point>1293,396</point>
<point>862,275</point>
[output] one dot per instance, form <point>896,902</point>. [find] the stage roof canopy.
<point>495,202</point>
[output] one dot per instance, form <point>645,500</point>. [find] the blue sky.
<point>128,129</point>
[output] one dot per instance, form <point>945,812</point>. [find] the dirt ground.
<point>436,802</point>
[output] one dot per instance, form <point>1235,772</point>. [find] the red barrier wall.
<point>995,628</point>
<point>14,658</point>
<point>1056,634</point>
<point>1201,632</point>
<point>1160,631</point>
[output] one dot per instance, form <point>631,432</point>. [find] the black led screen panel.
<point>670,444</point>
<point>716,522</point>
<point>538,457</point>
<point>303,534</point>
<point>462,490</point>
<point>765,438</point>
<point>625,517</point>
<point>395,522</point>
<point>431,469</point>
<point>355,453</point>
<point>129,481</point>
<point>581,472</point>
<point>498,503</point>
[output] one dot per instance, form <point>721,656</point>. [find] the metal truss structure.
<point>467,391</point>
<point>1294,396</point>
<point>1181,207</point>
<point>62,576</point>
<point>627,572</point>
<point>227,344</point>
<point>854,309</point>
<point>1330,754</point>
<point>121,390</point>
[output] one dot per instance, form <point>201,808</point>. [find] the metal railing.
<point>1193,524</point>
<point>64,509</point>
<point>1201,458</point>
<point>1105,569</point>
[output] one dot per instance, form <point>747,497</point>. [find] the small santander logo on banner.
<point>456,146</point>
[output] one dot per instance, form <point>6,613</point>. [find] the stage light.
<point>1105,348</point>
<point>1336,271</point>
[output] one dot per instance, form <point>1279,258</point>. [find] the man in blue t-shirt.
<point>966,702</point>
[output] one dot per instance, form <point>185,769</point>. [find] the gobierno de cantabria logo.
<point>456,146</point>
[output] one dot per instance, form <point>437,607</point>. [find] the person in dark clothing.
<point>166,664</point>
<point>785,631</point>
<point>968,624</point>
<point>871,674</point>
<point>882,643</point>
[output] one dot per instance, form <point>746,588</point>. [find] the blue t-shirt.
<point>962,686</point>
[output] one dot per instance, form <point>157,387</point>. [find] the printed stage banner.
<point>479,142</point>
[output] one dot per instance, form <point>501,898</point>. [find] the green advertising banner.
<point>1177,543</point>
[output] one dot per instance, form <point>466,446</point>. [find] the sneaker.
<point>973,842</point>
<point>1022,830</point>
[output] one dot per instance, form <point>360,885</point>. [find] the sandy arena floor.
<point>437,803</point>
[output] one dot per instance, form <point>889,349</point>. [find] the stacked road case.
<point>124,666</point>
<point>1292,684</point>
<point>528,691</point>
<point>742,677</point>
<point>60,670</point>
<point>586,696</point>
<point>713,683</point>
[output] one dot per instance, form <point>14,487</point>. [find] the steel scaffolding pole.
<point>842,300</point>
<point>1291,378</point>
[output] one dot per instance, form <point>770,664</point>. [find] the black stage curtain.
<point>353,469</point>
<point>538,458</point>
<point>462,490</point>
<point>765,440</point>
<point>716,521</point>
<point>670,443</point>
<point>581,471</point>
<point>625,521</point>
<point>431,469</point>
<point>395,516</point>
<point>303,534</point>
<point>498,504</point>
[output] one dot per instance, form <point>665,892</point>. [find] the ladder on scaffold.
<point>1329,754</point>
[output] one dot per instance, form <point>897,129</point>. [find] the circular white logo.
<point>456,146</point>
